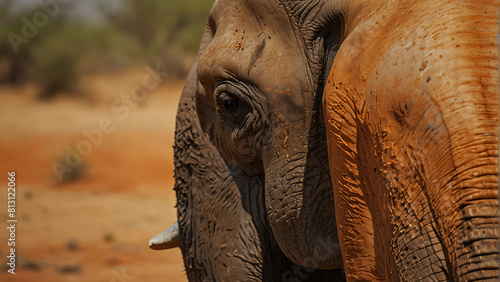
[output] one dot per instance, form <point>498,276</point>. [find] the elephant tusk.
<point>167,239</point>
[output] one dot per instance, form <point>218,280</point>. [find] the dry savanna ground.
<point>116,191</point>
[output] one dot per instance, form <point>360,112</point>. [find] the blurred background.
<point>88,97</point>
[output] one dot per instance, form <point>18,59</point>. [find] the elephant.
<point>327,138</point>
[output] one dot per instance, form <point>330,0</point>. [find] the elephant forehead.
<point>266,10</point>
<point>251,56</point>
<point>256,44</point>
<point>252,40</point>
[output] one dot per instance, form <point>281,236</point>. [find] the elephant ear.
<point>197,168</point>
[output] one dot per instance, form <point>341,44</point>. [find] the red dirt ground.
<point>97,227</point>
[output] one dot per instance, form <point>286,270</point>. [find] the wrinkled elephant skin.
<point>354,135</point>
<point>411,107</point>
<point>254,194</point>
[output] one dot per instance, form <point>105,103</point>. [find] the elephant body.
<point>322,138</point>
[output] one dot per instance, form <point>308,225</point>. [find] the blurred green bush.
<point>54,50</point>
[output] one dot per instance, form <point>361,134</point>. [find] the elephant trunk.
<point>301,212</point>
<point>299,194</point>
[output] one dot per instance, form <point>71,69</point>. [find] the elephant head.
<point>254,194</point>
<point>259,102</point>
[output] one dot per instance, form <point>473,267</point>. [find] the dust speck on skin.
<point>424,65</point>
<point>428,79</point>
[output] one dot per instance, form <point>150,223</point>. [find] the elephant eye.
<point>231,108</point>
<point>230,103</point>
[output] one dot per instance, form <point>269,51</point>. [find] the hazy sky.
<point>82,9</point>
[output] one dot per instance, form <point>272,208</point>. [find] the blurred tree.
<point>168,31</point>
<point>58,60</point>
<point>13,74</point>
<point>21,32</point>
<point>54,50</point>
<point>40,48</point>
